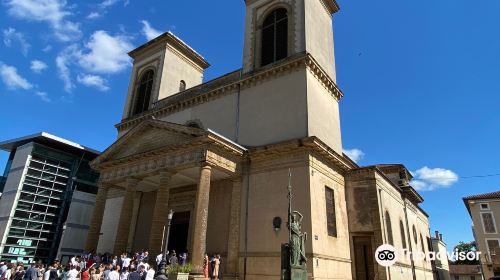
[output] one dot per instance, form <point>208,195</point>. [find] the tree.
<point>466,247</point>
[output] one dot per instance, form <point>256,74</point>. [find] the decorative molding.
<point>331,6</point>
<point>187,100</point>
<point>170,38</point>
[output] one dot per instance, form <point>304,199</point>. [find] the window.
<point>403,235</point>
<point>388,225</point>
<point>457,277</point>
<point>415,238</point>
<point>275,37</point>
<point>143,95</point>
<point>485,206</point>
<point>182,86</point>
<point>493,246</point>
<point>422,246</point>
<point>488,223</point>
<point>473,278</point>
<point>331,219</point>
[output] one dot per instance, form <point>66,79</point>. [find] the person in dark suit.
<point>31,273</point>
<point>134,276</point>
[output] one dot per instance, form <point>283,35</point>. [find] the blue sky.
<point>420,80</point>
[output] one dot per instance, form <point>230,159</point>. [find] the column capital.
<point>207,165</point>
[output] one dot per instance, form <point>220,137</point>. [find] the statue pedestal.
<point>298,273</point>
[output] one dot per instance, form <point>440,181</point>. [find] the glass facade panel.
<point>40,210</point>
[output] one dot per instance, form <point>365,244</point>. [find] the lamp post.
<point>163,264</point>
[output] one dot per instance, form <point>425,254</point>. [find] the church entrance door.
<point>179,232</point>
<point>363,255</point>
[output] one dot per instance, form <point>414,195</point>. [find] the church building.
<point>218,154</point>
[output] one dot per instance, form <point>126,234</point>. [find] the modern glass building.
<point>45,177</point>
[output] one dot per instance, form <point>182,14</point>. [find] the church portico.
<point>176,177</point>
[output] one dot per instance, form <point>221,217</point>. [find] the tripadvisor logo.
<point>386,255</point>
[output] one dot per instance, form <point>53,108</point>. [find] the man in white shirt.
<point>46,274</point>
<point>115,274</point>
<point>72,274</point>
<point>74,262</point>
<point>151,274</point>
<point>126,261</point>
<point>159,258</point>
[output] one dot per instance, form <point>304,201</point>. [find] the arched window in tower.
<point>403,234</point>
<point>182,86</point>
<point>275,37</point>
<point>388,225</point>
<point>143,94</point>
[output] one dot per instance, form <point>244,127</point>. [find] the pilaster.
<point>233,241</point>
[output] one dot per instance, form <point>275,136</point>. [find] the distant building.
<point>484,210</point>
<point>465,272</point>
<point>441,265</point>
<point>47,200</point>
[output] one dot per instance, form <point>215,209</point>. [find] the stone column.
<point>160,216</point>
<point>199,242</point>
<point>125,221</point>
<point>233,242</point>
<point>97,216</point>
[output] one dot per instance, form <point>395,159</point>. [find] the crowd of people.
<point>106,267</point>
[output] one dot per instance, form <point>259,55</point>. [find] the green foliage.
<point>466,247</point>
<point>187,268</point>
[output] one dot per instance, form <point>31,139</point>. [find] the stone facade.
<point>484,210</point>
<point>219,154</point>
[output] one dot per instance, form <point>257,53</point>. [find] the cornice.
<point>331,5</point>
<point>170,38</point>
<point>313,144</point>
<point>187,99</point>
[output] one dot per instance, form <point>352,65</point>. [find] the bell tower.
<point>288,28</point>
<point>289,58</point>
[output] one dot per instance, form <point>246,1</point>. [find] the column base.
<point>196,276</point>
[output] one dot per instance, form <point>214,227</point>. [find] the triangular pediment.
<point>149,136</point>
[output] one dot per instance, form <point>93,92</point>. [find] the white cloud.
<point>102,54</point>
<point>43,95</point>
<point>355,154</point>
<point>93,81</point>
<point>52,12</point>
<point>12,79</point>
<point>63,59</point>
<point>428,179</point>
<point>47,49</point>
<point>108,3</point>
<point>105,53</point>
<point>10,34</point>
<point>38,66</point>
<point>149,31</point>
<point>94,15</point>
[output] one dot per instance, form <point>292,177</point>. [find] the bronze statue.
<point>293,253</point>
<point>298,241</point>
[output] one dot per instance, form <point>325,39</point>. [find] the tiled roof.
<point>464,270</point>
<point>484,196</point>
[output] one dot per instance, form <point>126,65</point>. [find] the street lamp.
<point>163,264</point>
